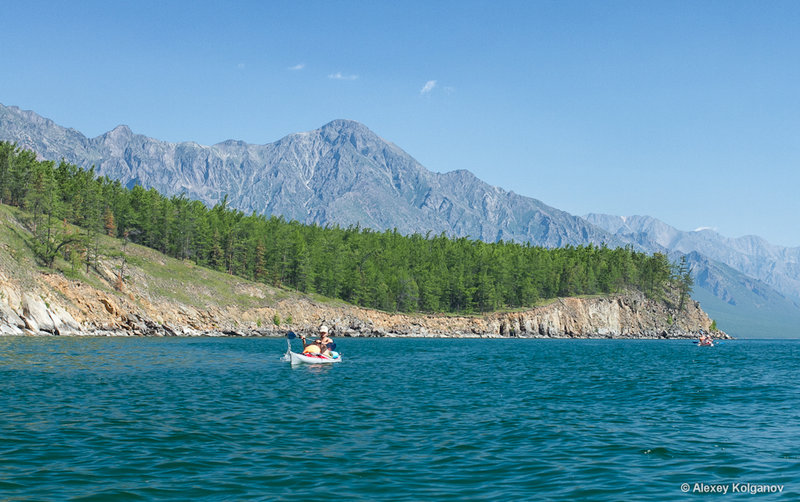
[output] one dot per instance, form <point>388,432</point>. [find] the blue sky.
<point>688,111</point>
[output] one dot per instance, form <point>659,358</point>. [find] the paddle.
<point>291,336</point>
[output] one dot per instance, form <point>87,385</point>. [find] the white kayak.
<point>295,358</point>
<point>309,357</point>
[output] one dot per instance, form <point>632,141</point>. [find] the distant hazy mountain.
<point>745,307</point>
<point>750,285</point>
<point>341,173</point>
<point>776,266</point>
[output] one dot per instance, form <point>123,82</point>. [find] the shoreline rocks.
<point>617,317</point>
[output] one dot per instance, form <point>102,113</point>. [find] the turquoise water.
<point>398,419</point>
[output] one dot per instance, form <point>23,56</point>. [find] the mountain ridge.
<point>340,173</point>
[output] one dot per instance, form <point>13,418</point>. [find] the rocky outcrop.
<point>10,322</point>
<point>34,316</point>
<point>628,316</point>
<point>623,316</point>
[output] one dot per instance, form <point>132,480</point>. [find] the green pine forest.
<point>381,270</point>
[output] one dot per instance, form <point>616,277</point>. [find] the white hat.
<point>323,329</point>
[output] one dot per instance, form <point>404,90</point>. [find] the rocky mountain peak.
<point>345,126</point>
<point>120,132</point>
<point>342,132</point>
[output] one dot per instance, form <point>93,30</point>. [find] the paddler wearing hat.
<point>320,345</point>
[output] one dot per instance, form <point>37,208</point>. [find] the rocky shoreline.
<point>93,313</point>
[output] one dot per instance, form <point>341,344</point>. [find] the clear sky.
<point>688,111</point>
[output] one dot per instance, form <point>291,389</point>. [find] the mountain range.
<point>344,173</point>
<point>340,173</point>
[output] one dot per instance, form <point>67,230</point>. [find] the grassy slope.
<point>16,257</point>
<point>155,276</point>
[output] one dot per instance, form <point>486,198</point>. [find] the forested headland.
<point>381,270</point>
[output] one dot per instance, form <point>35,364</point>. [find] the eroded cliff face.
<point>623,316</point>
<point>52,304</point>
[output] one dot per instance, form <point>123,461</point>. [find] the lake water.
<point>398,419</point>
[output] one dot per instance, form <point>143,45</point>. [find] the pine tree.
<point>7,154</point>
<point>683,277</point>
<point>108,222</point>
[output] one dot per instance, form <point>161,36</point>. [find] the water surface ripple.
<point>398,419</point>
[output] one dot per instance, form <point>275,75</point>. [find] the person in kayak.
<point>320,345</point>
<point>323,341</point>
<point>705,339</point>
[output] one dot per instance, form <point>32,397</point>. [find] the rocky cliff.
<point>64,307</point>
